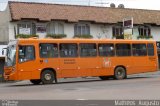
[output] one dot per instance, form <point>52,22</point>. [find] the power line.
<point>69,1</point>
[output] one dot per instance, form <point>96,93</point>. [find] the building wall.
<point>11,30</point>
<point>4,25</point>
<point>155,31</point>
<point>98,31</point>
<point>135,32</point>
<point>69,30</point>
<point>8,29</point>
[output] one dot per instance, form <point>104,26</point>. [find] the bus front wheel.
<point>47,77</point>
<point>35,82</point>
<point>120,73</point>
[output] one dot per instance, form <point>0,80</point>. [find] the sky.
<point>139,4</point>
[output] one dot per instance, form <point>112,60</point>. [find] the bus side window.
<point>26,53</point>
<point>106,50</point>
<point>123,50</point>
<point>68,50</point>
<point>139,50</point>
<point>150,49</point>
<point>88,50</point>
<point>48,50</point>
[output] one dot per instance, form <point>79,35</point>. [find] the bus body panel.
<point>69,67</point>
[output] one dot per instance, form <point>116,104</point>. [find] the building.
<point>44,19</point>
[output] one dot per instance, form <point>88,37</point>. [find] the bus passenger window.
<point>88,50</point>
<point>106,50</point>
<point>68,50</point>
<point>150,49</point>
<point>48,50</point>
<point>123,50</point>
<point>139,50</point>
<point>26,53</point>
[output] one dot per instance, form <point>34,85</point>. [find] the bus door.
<point>26,60</point>
<point>68,59</point>
<point>152,57</point>
<point>88,62</point>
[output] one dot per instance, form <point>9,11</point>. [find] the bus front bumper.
<point>10,77</point>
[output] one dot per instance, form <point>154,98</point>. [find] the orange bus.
<point>46,60</point>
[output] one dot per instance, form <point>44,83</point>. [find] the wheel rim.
<point>120,73</point>
<point>47,77</point>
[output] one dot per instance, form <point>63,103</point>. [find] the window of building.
<point>55,28</point>
<point>139,50</point>
<point>123,50</point>
<point>48,50</point>
<point>81,29</point>
<point>117,31</point>
<point>88,50</point>
<point>28,28</point>
<point>68,50</point>
<point>26,53</point>
<point>144,31</point>
<point>106,49</point>
<point>150,47</point>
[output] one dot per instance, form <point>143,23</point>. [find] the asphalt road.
<point>142,86</point>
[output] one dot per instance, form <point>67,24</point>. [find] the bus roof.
<point>82,40</point>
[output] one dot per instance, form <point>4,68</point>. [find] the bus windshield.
<point>11,55</point>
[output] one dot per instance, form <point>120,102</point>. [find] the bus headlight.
<point>13,69</point>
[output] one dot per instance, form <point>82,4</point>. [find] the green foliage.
<point>83,36</point>
<point>119,37</point>
<point>25,36</point>
<point>144,37</point>
<point>56,36</point>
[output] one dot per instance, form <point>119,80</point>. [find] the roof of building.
<point>75,13</point>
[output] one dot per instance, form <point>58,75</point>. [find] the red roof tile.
<point>72,13</point>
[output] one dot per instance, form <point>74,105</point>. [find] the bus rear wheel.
<point>120,73</point>
<point>47,77</point>
<point>35,82</point>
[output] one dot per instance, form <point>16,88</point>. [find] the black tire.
<point>105,77</point>
<point>35,82</point>
<point>47,77</point>
<point>120,73</point>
